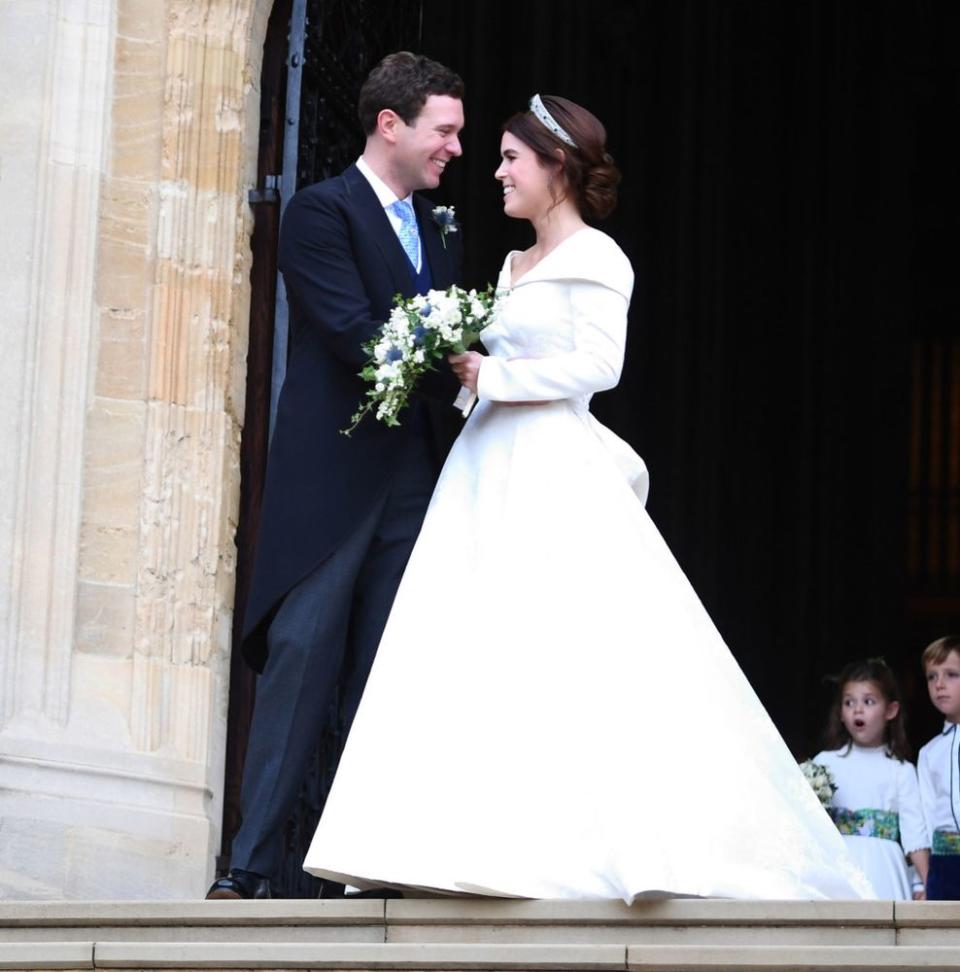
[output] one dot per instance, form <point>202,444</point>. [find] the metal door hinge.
<point>268,193</point>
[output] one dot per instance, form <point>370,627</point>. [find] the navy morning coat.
<point>342,265</point>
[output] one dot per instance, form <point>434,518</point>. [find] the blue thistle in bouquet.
<point>419,332</point>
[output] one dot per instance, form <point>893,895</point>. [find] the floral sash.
<point>946,842</point>
<point>867,823</point>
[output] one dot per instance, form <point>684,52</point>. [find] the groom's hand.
<point>466,367</point>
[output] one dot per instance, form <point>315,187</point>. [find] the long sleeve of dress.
<point>599,326</point>
<point>913,828</point>
<point>928,796</point>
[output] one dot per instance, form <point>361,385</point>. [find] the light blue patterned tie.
<point>409,237</point>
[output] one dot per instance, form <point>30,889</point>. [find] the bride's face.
<point>525,180</point>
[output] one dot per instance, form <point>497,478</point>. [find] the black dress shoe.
<point>239,884</point>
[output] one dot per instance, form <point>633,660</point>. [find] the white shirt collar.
<point>869,750</point>
<point>384,193</point>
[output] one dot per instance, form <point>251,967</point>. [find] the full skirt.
<point>552,713</point>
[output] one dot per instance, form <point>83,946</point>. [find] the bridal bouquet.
<point>821,779</point>
<point>419,331</point>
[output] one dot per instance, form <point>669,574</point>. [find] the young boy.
<point>939,770</point>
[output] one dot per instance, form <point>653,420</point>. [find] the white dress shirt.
<point>387,198</point>
<point>939,770</point>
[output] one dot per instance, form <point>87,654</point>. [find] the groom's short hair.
<point>402,82</point>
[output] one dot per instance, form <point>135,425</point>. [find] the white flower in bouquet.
<point>419,331</point>
<point>477,310</point>
<point>820,779</point>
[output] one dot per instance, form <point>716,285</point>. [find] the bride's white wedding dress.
<point>552,714</point>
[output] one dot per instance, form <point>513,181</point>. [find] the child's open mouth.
<point>859,723</point>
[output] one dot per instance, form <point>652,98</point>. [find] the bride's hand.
<point>466,367</point>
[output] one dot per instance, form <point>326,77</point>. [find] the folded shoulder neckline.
<point>588,255</point>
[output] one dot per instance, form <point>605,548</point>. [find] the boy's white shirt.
<point>938,769</point>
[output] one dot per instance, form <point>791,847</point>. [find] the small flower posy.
<point>419,331</point>
<point>446,219</point>
<point>820,779</point>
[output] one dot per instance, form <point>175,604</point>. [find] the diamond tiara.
<point>540,110</point>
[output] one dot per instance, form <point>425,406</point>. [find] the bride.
<point>552,713</point>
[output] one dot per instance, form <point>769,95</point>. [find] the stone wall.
<point>132,139</point>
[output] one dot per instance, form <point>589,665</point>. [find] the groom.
<point>340,515</point>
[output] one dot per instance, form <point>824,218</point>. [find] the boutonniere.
<point>446,219</point>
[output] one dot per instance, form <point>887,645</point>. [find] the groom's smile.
<point>424,147</point>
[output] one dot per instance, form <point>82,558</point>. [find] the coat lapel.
<point>364,201</point>
<point>439,257</point>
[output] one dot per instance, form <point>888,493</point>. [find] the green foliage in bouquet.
<point>419,332</point>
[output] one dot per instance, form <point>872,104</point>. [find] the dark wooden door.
<point>265,204</point>
<point>343,40</point>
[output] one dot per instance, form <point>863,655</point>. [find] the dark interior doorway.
<point>793,370</point>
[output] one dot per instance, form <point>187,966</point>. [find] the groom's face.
<point>423,148</point>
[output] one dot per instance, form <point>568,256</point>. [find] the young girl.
<point>877,802</point>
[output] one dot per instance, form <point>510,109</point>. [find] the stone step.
<point>386,957</point>
<point>653,922</point>
<point>447,934</point>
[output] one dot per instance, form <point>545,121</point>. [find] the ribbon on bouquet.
<point>465,401</point>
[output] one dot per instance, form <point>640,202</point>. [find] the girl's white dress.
<point>552,714</point>
<point>870,780</point>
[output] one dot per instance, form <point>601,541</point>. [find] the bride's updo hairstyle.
<point>591,175</point>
